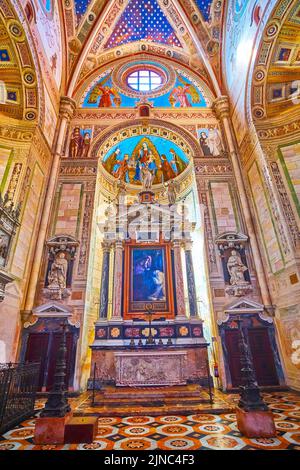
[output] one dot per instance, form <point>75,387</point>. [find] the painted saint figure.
<point>76,143</point>
<point>85,146</point>
<point>203,143</point>
<point>214,142</point>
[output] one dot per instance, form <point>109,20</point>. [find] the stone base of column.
<point>255,423</point>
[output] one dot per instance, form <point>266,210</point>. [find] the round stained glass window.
<point>144,80</point>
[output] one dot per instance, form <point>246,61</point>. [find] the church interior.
<point>149,224</point>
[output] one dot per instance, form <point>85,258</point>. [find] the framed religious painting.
<point>148,280</point>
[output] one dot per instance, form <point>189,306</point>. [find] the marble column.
<point>221,106</point>
<point>190,279</point>
<point>104,281</point>
<point>67,107</point>
<point>118,281</point>
<point>179,284</point>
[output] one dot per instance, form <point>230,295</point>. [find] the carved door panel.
<point>233,356</point>
<point>262,355</point>
<point>53,350</point>
<point>37,348</point>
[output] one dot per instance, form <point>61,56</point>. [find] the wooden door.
<point>233,356</point>
<point>53,351</point>
<point>262,355</point>
<point>36,351</point>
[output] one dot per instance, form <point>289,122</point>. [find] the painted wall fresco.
<point>127,159</point>
<point>143,20</point>
<point>48,40</point>
<point>107,94</point>
<point>242,22</point>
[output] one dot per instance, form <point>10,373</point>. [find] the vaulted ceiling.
<point>100,32</point>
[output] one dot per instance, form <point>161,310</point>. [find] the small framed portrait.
<point>148,280</point>
<point>284,55</point>
<point>277,92</point>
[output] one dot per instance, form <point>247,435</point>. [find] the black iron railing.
<point>18,385</point>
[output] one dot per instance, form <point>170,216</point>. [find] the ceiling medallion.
<point>16,30</point>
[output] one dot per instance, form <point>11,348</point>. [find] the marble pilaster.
<point>190,280</point>
<point>103,310</point>
<point>118,278</point>
<point>179,284</point>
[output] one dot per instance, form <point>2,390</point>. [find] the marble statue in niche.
<point>232,249</point>
<point>236,269</point>
<point>62,251</point>
<point>57,276</point>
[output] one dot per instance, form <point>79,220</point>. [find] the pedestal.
<point>50,430</point>
<point>255,423</point>
<point>81,430</point>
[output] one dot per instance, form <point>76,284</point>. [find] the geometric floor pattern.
<point>194,432</point>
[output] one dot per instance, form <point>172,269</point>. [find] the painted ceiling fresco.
<point>204,6</point>
<point>106,94</point>
<point>143,20</point>
<point>126,160</point>
<point>80,7</point>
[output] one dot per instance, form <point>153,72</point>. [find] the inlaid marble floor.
<point>194,432</point>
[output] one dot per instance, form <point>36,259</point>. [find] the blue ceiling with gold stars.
<point>204,6</point>
<point>81,7</point>
<point>143,20</point>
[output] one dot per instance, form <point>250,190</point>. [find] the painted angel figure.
<point>105,92</point>
<point>181,94</point>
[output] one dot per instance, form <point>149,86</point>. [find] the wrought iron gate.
<point>18,385</point>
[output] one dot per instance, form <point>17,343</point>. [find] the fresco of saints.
<point>117,157</point>
<point>214,142</point>
<point>203,143</point>
<point>85,145</point>
<point>166,168</point>
<point>75,143</point>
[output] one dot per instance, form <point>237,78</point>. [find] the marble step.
<point>153,393</point>
<point>179,409</point>
<point>154,401</point>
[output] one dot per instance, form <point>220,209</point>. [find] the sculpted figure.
<point>57,277</point>
<point>172,188</point>
<point>236,269</point>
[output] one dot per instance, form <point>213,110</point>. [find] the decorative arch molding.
<point>27,57</point>
<point>266,38</point>
<point>93,77</point>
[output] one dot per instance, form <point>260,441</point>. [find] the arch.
<point>91,79</point>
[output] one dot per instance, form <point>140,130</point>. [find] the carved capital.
<point>221,107</point>
<point>67,107</point>
<point>106,246</point>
